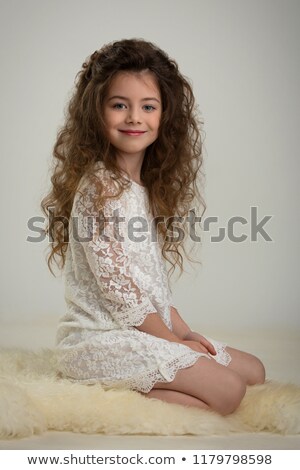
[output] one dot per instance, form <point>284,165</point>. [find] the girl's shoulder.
<point>99,180</point>
<point>97,189</point>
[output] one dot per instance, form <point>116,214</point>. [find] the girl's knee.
<point>232,394</point>
<point>258,374</point>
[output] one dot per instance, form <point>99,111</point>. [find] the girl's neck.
<point>132,166</point>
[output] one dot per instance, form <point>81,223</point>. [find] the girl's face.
<point>132,112</point>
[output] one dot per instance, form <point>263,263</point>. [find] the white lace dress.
<point>112,281</point>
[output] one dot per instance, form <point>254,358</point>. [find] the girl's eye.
<point>118,106</point>
<point>149,107</point>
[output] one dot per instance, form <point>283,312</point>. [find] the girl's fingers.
<point>207,344</point>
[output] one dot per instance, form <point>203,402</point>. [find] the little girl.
<point>127,160</point>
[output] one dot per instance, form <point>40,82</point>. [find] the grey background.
<point>243,60</point>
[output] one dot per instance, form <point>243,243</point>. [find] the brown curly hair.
<point>171,165</point>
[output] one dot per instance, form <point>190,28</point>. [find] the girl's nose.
<point>133,116</point>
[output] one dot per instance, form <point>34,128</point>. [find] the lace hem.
<point>166,372</point>
<point>163,373</point>
<point>135,316</point>
<point>222,357</point>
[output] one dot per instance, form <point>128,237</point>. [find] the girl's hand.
<point>205,345</point>
<point>196,346</point>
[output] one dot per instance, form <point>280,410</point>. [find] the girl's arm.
<point>183,331</point>
<point>154,325</point>
<point>180,328</point>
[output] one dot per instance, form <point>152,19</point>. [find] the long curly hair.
<point>171,169</point>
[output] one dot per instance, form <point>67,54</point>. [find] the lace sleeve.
<point>107,256</point>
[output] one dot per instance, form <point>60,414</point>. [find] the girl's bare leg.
<point>208,384</point>
<point>249,367</point>
<point>171,396</point>
<point>213,385</point>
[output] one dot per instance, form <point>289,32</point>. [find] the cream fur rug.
<point>33,400</point>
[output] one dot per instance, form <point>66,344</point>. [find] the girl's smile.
<point>133,132</point>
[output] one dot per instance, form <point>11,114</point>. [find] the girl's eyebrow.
<point>151,98</point>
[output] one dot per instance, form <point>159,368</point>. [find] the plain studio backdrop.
<point>242,58</point>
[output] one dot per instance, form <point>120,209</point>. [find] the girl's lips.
<point>133,132</point>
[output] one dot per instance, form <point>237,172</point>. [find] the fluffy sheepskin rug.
<point>33,400</point>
